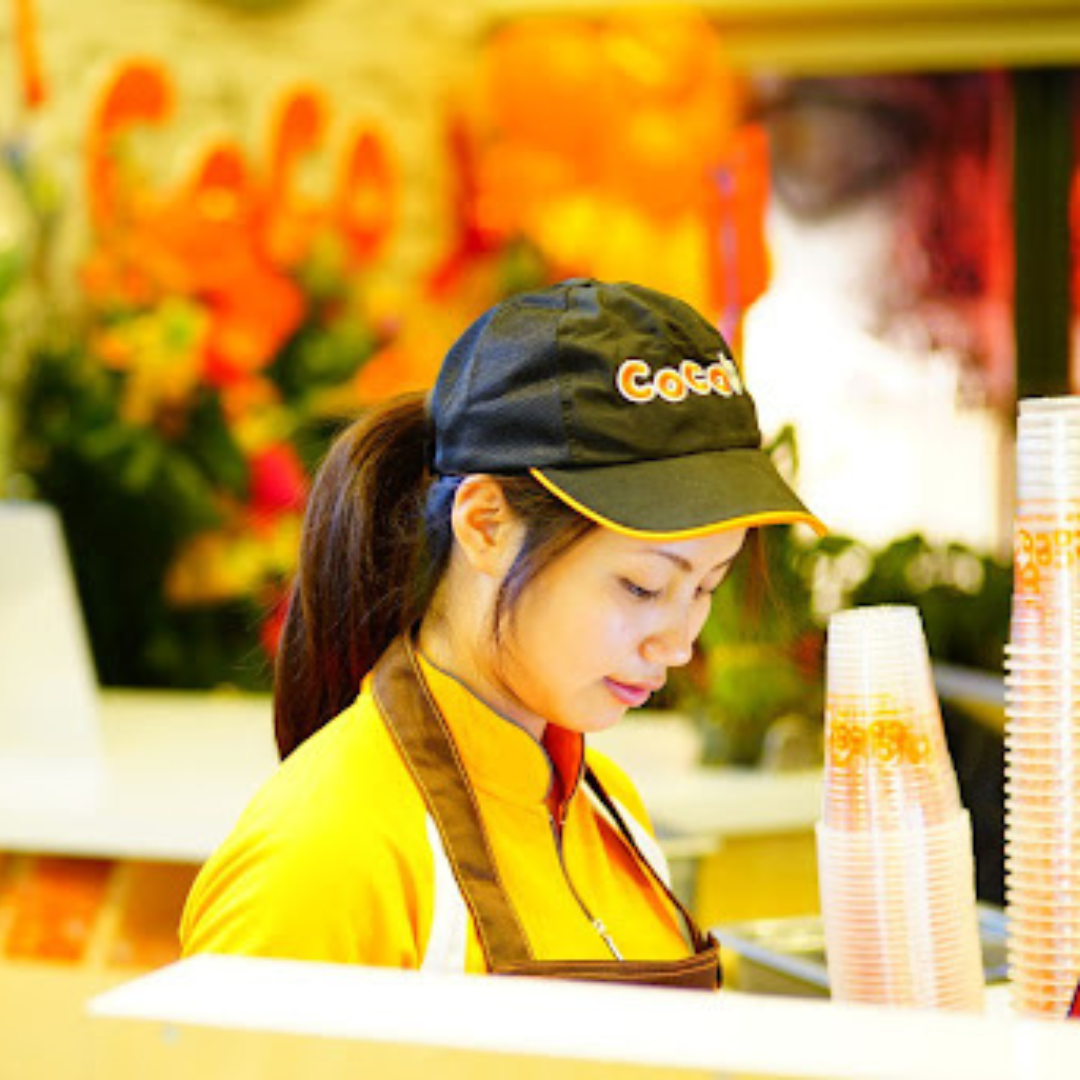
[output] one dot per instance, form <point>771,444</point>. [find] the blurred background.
<point>228,226</point>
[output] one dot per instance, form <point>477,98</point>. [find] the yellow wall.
<point>758,877</point>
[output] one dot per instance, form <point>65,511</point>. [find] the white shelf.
<point>177,768</point>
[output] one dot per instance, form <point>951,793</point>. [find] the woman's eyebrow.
<point>686,566</point>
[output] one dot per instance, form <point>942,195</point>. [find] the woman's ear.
<point>485,528</point>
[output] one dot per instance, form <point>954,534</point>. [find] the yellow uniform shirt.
<point>332,861</point>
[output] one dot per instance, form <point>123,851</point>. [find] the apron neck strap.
<point>419,729</point>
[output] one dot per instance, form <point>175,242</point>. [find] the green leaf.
<point>211,446</point>
<point>12,268</point>
<point>322,356</point>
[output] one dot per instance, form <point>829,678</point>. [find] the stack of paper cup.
<point>894,844</point>
<point>1042,704</point>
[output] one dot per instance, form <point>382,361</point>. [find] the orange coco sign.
<point>890,736</point>
<point>230,233</point>
<point>226,187</point>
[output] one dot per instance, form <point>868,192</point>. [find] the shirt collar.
<point>502,758</point>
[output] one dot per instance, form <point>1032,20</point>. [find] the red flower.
<point>278,481</point>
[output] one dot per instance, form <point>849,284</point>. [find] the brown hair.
<point>375,545</point>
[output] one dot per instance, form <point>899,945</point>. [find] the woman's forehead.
<point>697,554</point>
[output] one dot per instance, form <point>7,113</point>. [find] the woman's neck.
<point>452,650</point>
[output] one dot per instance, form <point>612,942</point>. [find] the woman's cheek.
<point>621,622</point>
<point>702,616</point>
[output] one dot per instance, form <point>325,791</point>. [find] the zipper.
<point>601,929</point>
<point>596,924</point>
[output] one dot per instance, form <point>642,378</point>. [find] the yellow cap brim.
<point>681,498</point>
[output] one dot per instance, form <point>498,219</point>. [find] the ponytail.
<point>366,569</point>
<point>377,539</point>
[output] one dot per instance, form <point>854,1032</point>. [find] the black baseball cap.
<point>623,402</point>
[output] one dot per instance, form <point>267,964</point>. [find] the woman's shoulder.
<point>322,858</point>
<point>345,783</point>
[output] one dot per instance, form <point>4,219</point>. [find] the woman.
<point>486,577</point>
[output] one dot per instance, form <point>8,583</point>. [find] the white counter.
<point>212,1013</point>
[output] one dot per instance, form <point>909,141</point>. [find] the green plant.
<point>760,661</point>
<point>964,597</point>
<point>170,407</point>
<point>181,501</point>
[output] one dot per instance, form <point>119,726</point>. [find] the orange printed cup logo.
<point>846,741</point>
<point>1038,550</point>
<point>879,733</point>
<point>887,741</point>
<point>917,748</point>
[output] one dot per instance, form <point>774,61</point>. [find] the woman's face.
<point>600,628</point>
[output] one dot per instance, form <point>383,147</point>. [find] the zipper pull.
<point>601,929</point>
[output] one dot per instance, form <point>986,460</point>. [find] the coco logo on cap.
<point>639,383</point>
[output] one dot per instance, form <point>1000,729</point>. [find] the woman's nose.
<point>671,645</point>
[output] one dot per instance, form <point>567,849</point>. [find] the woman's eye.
<point>639,592</point>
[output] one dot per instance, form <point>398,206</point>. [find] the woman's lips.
<point>631,696</point>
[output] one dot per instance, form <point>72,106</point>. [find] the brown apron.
<point>421,734</point>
